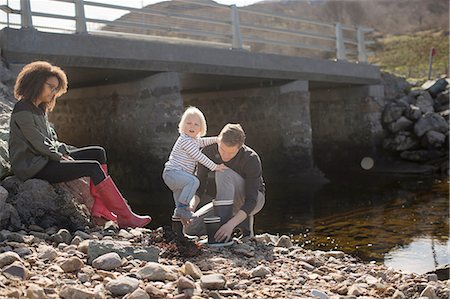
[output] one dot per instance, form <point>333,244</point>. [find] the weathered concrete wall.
<point>346,125</point>
<point>136,122</point>
<point>276,121</point>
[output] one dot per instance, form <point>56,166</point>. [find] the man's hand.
<point>223,234</point>
<point>67,158</point>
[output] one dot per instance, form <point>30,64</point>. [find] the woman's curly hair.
<point>31,80</point>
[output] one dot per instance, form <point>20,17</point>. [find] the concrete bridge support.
<point>346,125</point>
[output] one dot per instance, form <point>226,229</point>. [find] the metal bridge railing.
<point>194,21</point>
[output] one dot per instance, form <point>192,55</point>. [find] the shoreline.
<point>144,263</point>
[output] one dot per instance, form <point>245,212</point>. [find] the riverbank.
<point>143,263</point>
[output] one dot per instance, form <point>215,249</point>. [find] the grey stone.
<point>16,270</point>
<point>401,141</point>
<point>138,294</point>
<point>428,122</point>
<point>318,294</point>
<point>432,140</point>
<point>392,112</point>
<point>425,102</point>
<point>122,286</point>
<point>284,241</point>
<point>7,258</point>
<point>429,292</point>
<point>72,292</point>
<point>38,202</point>
<point>155,271</point>
<point>123,249</point>
<point>65,235</point>
<point>400,124</point>
<point>108,261</point>
<point>213,281</point>
<point>71,264</point>
<point>260,271</point>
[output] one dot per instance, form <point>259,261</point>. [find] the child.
<point>178,171</point>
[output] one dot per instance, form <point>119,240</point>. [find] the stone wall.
<point>276,121</point>
<point>136,122</point>
<point>346,125</point>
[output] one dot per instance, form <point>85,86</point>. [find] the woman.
<point>35,151</point>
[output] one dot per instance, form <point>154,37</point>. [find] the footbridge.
<point>128,89</point>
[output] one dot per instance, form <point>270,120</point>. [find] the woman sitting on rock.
<point>35,151</point>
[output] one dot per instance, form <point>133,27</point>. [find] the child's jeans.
<point>183,185</point>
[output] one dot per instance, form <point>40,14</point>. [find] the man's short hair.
<point>232,135</point>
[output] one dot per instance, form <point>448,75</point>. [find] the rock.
<point>71,292</point>
<point>47,253</point>
<point>432,140</point>
<point>138,294</point>
<point>428,122</point>
<point>35,292</point>
<point>7,258</point>
<point>398,295</point>
<point>284,241</point>
<point>213,281</point>
<point>400,124</point>
<point>429,292</point>
<point>392,112</point>
<point>192,270</point>
<point>413,113</point>
<point>260,271</point>
<point>425,102</point>
<point>401,141</point>
<point>108,261</point>
<point>155,271</point>
<point>123,249</point>
<point>65,235</point>
<point>394,87</point>
<point>318,294</point>
<point>71,264</point>
<point>38,202</point>
<point>185,283</point>
<point>16,270</point>
<point>122,286</point>
<point>244,249</point>
<point>356,290</point>
<point>154,292</point>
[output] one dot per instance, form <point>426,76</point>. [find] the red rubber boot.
<point>114,201</point>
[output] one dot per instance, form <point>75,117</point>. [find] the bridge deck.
<point>19,46</point>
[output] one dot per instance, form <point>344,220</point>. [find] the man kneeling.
<point>241,186</point>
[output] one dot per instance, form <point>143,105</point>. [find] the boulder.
<point>430,121</point>
<point>400,142</point>
<point>40,203</point>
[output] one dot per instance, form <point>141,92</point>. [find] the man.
<point>242,182</point>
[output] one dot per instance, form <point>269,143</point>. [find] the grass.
<point>408,55</point>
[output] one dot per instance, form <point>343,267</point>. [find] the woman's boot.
<point>99,209</point>
<point>114,201</point>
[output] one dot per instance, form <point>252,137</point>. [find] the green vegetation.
<point>408,55</point>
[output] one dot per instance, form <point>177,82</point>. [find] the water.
<point>402,222</point>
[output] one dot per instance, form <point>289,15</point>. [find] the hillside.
<point>385,16</point>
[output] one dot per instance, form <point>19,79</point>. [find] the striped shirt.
<point>186,153</point>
